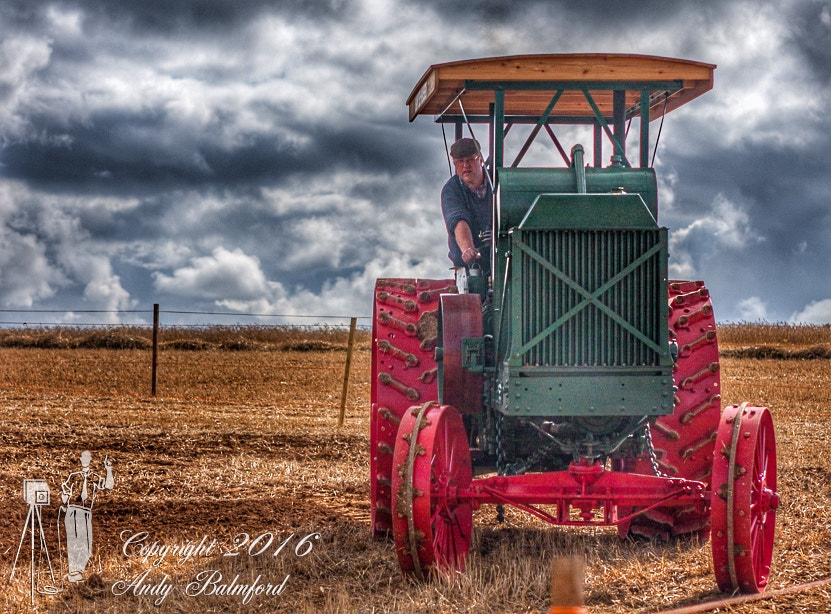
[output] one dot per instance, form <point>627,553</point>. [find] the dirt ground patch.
<point>241,450</point>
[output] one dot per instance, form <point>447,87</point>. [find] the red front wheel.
<point>431,525</point>
<point>744,499</point>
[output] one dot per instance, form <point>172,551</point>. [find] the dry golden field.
<point>240,451</point>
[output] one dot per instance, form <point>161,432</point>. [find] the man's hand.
<point>470,255</point>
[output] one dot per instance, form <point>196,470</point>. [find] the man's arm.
<point>464,239</point>
<point>456,218</point>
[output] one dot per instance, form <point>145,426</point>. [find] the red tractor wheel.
<point>744,499</point>
<point>685,439</point>
<point>404,336</point>
<point>432,526</point>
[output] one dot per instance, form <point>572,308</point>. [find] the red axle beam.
<point>583,488</point>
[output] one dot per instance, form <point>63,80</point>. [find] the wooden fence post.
<point>352,324</point>
<point>567,577</point>
<point>155,349</point>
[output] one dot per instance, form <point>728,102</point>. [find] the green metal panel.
<point>644,140</point>
<point>594,211</point>
<point>499,132</point>
<point>520,187</point>
<point>547,392</point>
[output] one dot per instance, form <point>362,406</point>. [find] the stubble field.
<point>238,461</point>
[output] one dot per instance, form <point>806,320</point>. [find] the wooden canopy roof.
<point>531,81</point>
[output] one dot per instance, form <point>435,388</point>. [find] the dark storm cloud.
<point>600,15</point>
<point>165,17</point>
<point>256,156</point>
<point>167,136</point>
<point>120,150</point>
<point>810,26</point>
<point>130,151</point>
<point>141,143</point>
<point>786,195</point>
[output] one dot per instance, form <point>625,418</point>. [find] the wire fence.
<point>258,358</point>
<point>271,359</point>
<point>69,318</point>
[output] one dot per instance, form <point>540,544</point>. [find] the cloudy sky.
<point>254,156</point>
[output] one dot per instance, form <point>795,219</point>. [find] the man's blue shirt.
<point>460,203</point>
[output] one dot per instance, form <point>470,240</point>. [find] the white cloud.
<point>20,58</point>
<point>103,289</point>
<point>25,273</point>
<point>318,241</point>
<point>65,21</point>
<point>731,224</point>
<point>28,274</point>
<point>44,248</point>
<point>328,197</point>
<point>752,309</point>
<point>726,227</point>
<point>667,180</point>
<point>160,254</point>
<point>224,275</point>
<point>343,296</point>
<point>815,312</point>
<point>753,105</point>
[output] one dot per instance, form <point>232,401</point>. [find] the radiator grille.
<point>620,325</point>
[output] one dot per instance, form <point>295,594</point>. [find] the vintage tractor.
<point>575,381</point>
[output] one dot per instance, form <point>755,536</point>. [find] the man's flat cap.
<point>464,148</point>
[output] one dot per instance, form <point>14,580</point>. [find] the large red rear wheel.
<point>744,499</point>
<point>685,439</point>
<point>432,526</point>
<point>404,337</point>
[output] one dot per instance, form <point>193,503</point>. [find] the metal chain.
<point>500,460</point>
<point>521,466</point>
<point>500,444</point>
<point>653,458</point>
